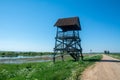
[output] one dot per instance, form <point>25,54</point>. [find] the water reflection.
<point>19,57</point>
<point>25,59</point>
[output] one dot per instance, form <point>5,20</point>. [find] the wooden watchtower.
<point>67,38</point>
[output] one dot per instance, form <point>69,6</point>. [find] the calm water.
<point>25,59</point>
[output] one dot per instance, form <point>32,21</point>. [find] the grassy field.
<point>115,55</point>
<point>67,70</point>
<point>14,54</point>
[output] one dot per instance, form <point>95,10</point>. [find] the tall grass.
<point>68,70</point>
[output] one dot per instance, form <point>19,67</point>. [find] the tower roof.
<point>68,24</point>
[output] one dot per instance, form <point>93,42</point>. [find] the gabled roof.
<point>67,24</point>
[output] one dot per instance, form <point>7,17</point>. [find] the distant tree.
<point>106,52</point>
<point>3,54</point>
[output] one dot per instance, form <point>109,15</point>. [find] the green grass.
<point>115,55</point>
<point>68,70</point>
<point>14,54</point>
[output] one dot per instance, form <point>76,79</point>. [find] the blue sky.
<point>27,25</point>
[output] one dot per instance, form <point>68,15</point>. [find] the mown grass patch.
<point>67,70</point>
<point>115,55</point>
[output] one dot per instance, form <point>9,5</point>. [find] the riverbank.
<point>68,70</point>
<point>18,53</point>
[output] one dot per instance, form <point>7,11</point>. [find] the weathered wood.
<point>68,41</point>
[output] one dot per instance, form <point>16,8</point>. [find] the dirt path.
<point>107,69</point>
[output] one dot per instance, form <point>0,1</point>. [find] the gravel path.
<point>106,69</point>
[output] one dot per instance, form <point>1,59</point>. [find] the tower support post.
<point>67,38</point>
